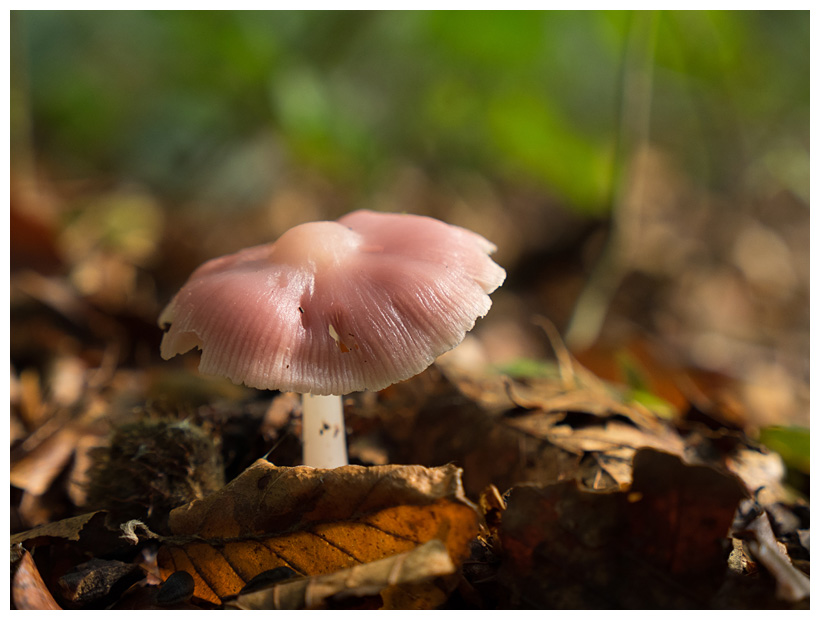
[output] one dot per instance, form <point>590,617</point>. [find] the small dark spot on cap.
<point>301,310</point>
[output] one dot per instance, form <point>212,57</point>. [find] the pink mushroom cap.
<point>335,307</point>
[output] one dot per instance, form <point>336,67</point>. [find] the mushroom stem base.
<point>324,442</point>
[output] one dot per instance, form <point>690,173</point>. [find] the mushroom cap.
<point>335,307</point>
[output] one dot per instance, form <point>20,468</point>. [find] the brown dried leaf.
<point>28,590</point>
<point>428,420</point>
<point>549,439</point>
<point>492,507</point>
<point>762,472</point>
<point>792,585</point>
<point>31,408</point>
<point>598,435</point>
<point>422,595</point>
<point>659,544</point>
<point>90,532</point>
<point>96,579</point>
<point>386,576</point>
<point>314,521</point>
<point>37,469</point>
<point>607,445</point>
<point>67,529</point>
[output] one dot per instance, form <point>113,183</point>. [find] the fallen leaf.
<point>661,543</point>
<point>547,436</point>
<point>28,590</point>
<point>612,441</point>
<point>792,585</point>
<point>492,507</point>
<point>422,595</point>
<point>32,239</point>
<point>314,521</point>
<point>762,472</point>
<point>96,579</point>
<point>804,536</point>
<point>89,532</point>
<point>67,529</point>
<point>388,576</point>
<point>37,469</point>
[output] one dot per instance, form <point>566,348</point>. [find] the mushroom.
<point>334,307</point>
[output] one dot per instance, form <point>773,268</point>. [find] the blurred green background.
<point>212,104</point>
<point>644,174</point>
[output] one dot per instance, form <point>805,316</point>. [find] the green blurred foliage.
<point>210,103</point>
<point>790,442</point>
<point>524,368</point>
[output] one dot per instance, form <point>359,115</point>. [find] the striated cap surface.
<point>335,307</point>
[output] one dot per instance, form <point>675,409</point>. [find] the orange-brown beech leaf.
<point>660,544</point>
<point>314,521</point>
<point>397,578</point>
<point>28,590</point>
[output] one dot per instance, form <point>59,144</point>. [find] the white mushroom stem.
<point>324,443</point>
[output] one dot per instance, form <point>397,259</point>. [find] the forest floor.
<point>514,473</point>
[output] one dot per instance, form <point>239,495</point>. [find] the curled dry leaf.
<point>792,585</point>
<point>551,434</point>
<point>67,529</point>
<point>314,521</point>
<point>763,472</point>
<point>91,532</point>
<point>384,576</point>
<point>662,543</point>
<point>611,441</point>
<point>28,590</point>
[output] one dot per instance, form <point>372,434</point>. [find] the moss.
<point>153,465</point>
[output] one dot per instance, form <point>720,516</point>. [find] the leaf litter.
<point>578,492</point>
<point>314,521</point>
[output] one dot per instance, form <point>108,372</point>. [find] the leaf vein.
<point>199,573</point>
<point>225,556</point>
<point>389,533</point>
<point>336,546</point>
<point>288,563</point>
